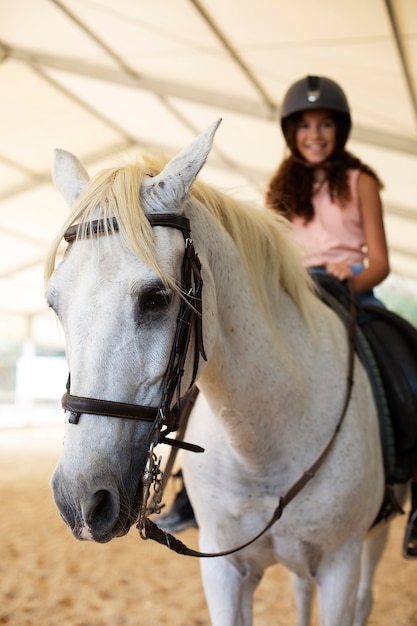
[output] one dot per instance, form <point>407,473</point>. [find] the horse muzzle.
<point>95,512</point>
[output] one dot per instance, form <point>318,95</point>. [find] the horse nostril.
<point>100,511</point>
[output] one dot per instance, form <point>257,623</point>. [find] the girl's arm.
<point>373,225</point>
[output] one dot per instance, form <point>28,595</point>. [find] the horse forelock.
<point>113,192</point>
<point>260,235</point>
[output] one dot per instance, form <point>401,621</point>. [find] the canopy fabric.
<point>108,80</point>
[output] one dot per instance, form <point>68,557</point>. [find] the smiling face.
<point>315,136</point>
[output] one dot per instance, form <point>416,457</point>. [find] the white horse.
<point>272,386</point>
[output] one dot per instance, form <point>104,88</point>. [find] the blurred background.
<point>110,79</point>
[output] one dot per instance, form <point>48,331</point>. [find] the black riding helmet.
<point>315,92</point>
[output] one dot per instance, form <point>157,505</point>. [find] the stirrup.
<point>410,538</point>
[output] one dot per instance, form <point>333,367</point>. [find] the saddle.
<point>386,344</point>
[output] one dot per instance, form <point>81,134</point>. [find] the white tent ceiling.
<point>109,79</point>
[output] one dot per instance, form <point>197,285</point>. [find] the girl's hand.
<point>339,270</point>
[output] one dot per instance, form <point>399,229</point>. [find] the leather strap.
<point>100,227</point>
<point>77,405</point>
<point>189,317</point>
<point>186,406</point>
<point>151,530</point>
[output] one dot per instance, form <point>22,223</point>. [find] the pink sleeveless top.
<point>335,233</point>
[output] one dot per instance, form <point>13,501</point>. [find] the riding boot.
<point>410,539</point>
<point>180,516</point>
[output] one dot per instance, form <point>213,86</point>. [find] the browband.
<point>100,227</point>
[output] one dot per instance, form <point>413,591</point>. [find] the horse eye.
<point>154,300</point>
<point>51,300</point>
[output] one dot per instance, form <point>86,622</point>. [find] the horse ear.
<point>168,189</point>
<point>69,175</point>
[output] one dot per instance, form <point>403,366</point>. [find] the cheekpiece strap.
<point>164,419</point>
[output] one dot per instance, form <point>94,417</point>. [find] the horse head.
<point>118,292</point>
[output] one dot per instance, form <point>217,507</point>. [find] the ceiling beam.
<point>22,267</point>
<point>100,43</point>
<point>406,252</point>
<point>232,52</point>
<point>404,212</point>
<point>403,56</point>
<point>129,71</point>
<point>19,167</point>
<point>168,89</point>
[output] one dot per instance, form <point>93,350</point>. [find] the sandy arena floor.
<point>47,578</point>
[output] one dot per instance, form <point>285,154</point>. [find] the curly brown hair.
<point>291,187</point>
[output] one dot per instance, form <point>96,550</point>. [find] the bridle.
<point>151,531</point>
<point>164,417</point>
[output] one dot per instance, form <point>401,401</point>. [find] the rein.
<point>189,318</point>
<point>152,531</point>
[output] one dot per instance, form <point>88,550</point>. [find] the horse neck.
<point>251,380</point>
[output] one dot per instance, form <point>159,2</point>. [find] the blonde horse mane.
<point>261,236</point>
<point>265,246</point>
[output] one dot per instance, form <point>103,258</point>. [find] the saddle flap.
<point>387,347</point>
